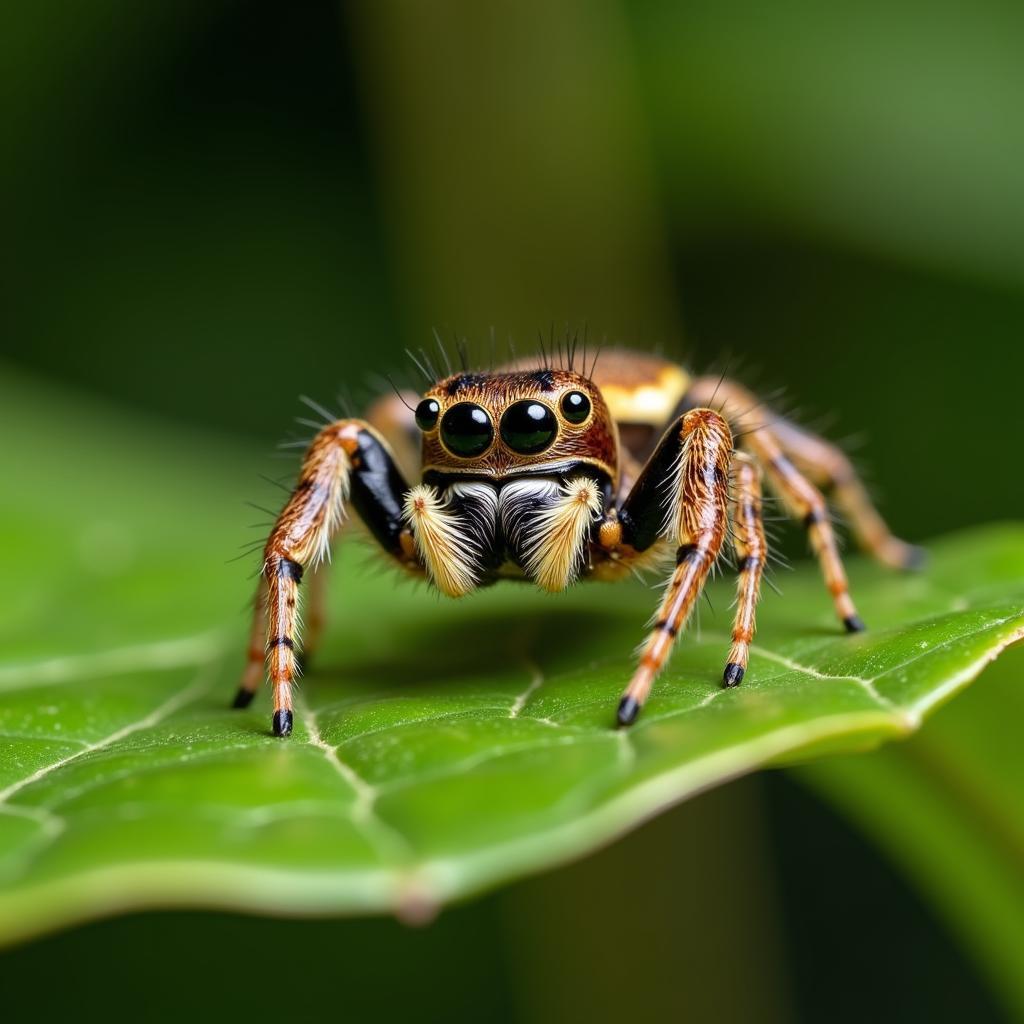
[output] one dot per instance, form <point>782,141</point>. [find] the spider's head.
<point>516,422</point>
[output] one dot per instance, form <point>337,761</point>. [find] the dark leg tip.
<point>733,674</point>
<point>629,708</point>
<point>916,558</point>
<point>243,698</point>
<point>282,723</point>
<point>854,624</point>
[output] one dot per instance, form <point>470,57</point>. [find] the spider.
<point>541,473</point>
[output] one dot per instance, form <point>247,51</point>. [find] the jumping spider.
<point>550,475</point>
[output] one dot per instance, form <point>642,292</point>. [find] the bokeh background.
<point>211,208</point>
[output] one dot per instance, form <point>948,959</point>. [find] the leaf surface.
<point>440,747</point>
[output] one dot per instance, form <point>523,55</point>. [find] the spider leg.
<point>682,495</point>
<point>252,675</point>
<point>802,499</point>
<point>392,418</point>
<point>316,615</point>
<point>751,555</point>
<point>829,467</point>
<point>347,459</point>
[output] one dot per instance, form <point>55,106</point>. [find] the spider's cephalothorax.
<point>544,474</point>
<point>517,467</point>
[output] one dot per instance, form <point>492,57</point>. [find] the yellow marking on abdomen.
<point>649,403</point>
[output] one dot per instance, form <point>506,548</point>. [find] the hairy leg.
<point>829,467</point>
<point>681,495</point>
<point>315,618</point>
<point>392,418</point>
<point>252,674</point>
<point>801,498</point>
<point>346,459</point>
<point>751,554</point>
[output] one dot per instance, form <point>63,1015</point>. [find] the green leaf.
<point>947,807</point>
<point>441,747</point>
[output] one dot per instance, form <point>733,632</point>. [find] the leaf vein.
<point>194,689</point>
<point>389,843</point>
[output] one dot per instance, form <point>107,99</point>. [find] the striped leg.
<point>316,615</point>
<point>751,554</point>
<point>802,499</point>
<point>315,618</point>
<point>829,467</point>
<point>698,452</point>
<point>346,458</point>
<point>252,675</point>
<point>393,420</point>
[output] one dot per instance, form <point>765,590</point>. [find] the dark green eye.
<point>575,407</point>
<point>426,414</point>
<point>466,430</point>
<point>528,427</point>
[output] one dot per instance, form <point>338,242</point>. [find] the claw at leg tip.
<point>916,558</point>
<point>282,723</point>
<point>243,698</point>
<point>733,674</point>
<point>854,624</point>
<point>629,708</point>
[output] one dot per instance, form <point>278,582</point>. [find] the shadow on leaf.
<point>446,654</point>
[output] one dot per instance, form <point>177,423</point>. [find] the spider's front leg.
<point>682,494</point>
<point>347,460</point>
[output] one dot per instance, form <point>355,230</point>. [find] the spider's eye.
<point>466,430</point>
<point>575,406</point>
<point>528,427</point>
<point>426,414</point>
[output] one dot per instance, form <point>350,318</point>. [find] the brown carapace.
<point>545,474</point>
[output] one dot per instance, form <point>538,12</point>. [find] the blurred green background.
<point>213,207</point>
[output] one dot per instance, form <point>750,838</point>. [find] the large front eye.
<point>466,430</point>
<point>528,427</point>
<point>426,414</point>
